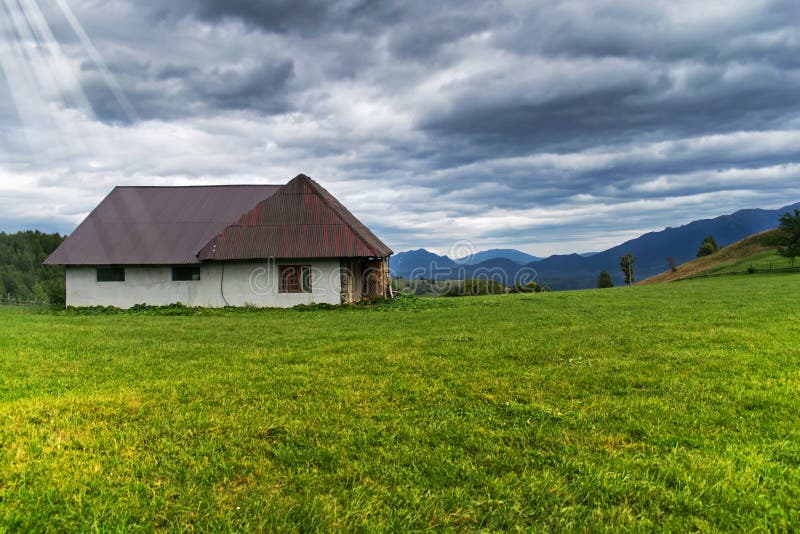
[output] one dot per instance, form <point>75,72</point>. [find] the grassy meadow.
<point>673,406</point>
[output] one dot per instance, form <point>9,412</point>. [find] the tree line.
<point>22,275</point>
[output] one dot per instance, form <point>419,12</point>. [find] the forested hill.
<point>22,274</point>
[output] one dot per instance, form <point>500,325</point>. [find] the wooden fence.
<point>11,300</point>
<point>772,267</point>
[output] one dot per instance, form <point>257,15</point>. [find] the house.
<point>213,246</point>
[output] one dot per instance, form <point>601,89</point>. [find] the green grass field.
<point>672,406</point>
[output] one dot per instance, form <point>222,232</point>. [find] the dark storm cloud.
<point>660,80</point>
<point>427,31</point>
<point>493,120</point>
<point>174,91</point>
<point>666,31</point>
<point>645,108</point>
<point>260,88</point>
<point>281,16</point>
<point>171,71</point>
<point>286,16</point>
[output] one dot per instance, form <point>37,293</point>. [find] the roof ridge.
<point>304,184</point>
<point>190,186</point>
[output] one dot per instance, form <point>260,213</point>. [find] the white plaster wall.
<point>220,284</point>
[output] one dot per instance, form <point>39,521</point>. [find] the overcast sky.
<point>547,126</point>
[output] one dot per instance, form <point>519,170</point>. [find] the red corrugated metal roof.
<point>180,225</point>
<point>301,220</point>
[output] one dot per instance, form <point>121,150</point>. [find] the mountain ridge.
<point>576,271</point>
<point>512,254</point>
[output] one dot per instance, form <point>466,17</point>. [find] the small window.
<point>110,274</point>
<point>185,274</point>
<point>294,279</point>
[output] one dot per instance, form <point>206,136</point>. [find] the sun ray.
<point>95,56</point>
<point>52,107</point>
<point>59,136</point>
<point>59,64</point>
<point>22,83</point>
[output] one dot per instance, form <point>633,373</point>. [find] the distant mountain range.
<point>579,271</point>
<point>508,253</point>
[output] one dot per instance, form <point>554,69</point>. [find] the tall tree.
<point>604,280</point>
<point>626,264</point>
<point>790,240</point>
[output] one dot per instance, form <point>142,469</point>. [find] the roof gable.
<point>301,220</point>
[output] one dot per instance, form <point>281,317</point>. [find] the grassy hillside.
<point>758,250</point>
<point>672,406</point>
